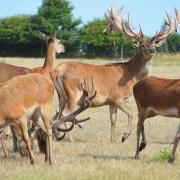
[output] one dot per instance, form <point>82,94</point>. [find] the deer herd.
<point>27,94</point>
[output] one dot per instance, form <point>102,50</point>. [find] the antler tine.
<point>141,32</point>
<point>177,19</point>
<point>130,33</point>
<point>84,104</point>
<point>115,21</point>
<point>163,35</point>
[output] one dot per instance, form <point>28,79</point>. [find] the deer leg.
<point>126,110</point>
<point>176,141</point>
<point>4,148</point>
<point>14,140</point>
<point>143,142</point>
<point>46,117</point>
<point>139,129</point>
<point>24,129</point>
<point>113,117</point>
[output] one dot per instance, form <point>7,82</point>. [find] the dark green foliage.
<point>173,43</point>
<point>96,43</point>
<point>19,37</point>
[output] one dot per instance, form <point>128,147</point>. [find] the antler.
<point>115,21</point>
<point>85,102</point>
<point>177,21</point>
<point>172,28</point>
<point>119,23</point>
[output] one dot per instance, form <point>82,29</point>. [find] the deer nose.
<point>152,50</point>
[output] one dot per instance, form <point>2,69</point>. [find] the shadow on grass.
<point>105,157</point>
<point>160,142</point>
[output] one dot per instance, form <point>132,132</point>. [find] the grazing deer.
<point>115,81</point>
<point>156,96</point>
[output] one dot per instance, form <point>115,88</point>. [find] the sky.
<point>148,13</point>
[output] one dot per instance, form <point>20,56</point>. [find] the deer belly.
<point>170,112</point>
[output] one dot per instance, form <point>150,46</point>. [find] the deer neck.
<point>138,67</point>
<point>50,57</point>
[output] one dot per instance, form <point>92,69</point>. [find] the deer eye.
<point>142,45</point>
<point>156,42</point>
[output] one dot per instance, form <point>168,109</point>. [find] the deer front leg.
<point>113,117</point>
<point>126,110</point>
<point>176,141</point>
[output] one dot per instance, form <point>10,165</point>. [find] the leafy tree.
<point>96,43</point>
<point>173,43</point>
<point>56,16</point>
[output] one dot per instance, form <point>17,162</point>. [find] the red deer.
<point>155,96</point>
<point>18,104</point>
<point>8,71</point>
<point>114,81</point>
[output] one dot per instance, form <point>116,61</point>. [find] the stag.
<point>114,81</point>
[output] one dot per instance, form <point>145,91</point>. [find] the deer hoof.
<point>142,146</point>
<point>137,157</point>
<point>125,136</point>
<point>170,160</point>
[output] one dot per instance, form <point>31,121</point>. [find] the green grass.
<point>92,156</point>
<point>163,156</point>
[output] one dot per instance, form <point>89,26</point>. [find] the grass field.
<point>92,156</point>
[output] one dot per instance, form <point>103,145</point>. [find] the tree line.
<point>19,34</point>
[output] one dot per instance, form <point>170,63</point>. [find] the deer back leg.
<point>122,106</point>
<point>5,151</point>
<point>139,130</point>
<point>14,141</point>
<point>24,129</point>
<point>113,117</point>
<point>46,117</point>
<point>143,142</point>
<point>176,141</point>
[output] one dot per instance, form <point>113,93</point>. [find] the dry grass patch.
<point>92,156</point>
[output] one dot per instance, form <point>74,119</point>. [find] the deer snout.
<point>152,50</point>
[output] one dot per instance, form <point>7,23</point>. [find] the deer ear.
<point>135,43</point>
<point>160,43</point>
<point>42,35</point>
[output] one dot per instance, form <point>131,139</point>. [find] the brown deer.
<point>54,45</point>
<point>115,81</point>
<point>18,104</point>
<point>8,71</point>
<point>157,96</point>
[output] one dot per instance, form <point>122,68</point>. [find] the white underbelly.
<point>165,112</point>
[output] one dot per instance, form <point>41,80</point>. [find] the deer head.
<point>58,46</point>
<point>147,46</point>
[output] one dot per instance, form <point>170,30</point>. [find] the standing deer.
<point>115,81</point>
<point>18,104</point>
<point>155,96</point>
<point>8,71</point>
